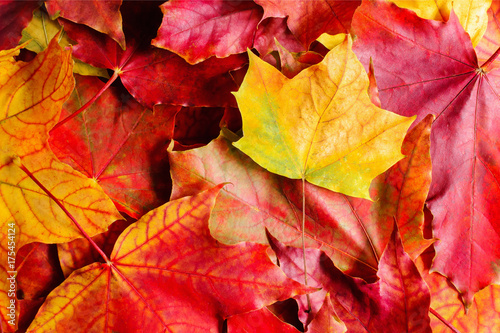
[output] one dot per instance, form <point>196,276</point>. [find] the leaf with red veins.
<point>41,198</point>
<point>446,80</point>
<point>309,19</point>
<point>16,15</point>
<point>155,76</point>
<point>261,320</point>
<point>198,30</point>
<point>103,16</point>
<point>119,143</point>
<point>272,29</point>
<point>80,253</point>
<point>352,231</point>
<point>167,274</point>
<point>397,302</point>
<point>448,311</point>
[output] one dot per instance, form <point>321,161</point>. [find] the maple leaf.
<point>197,31</point>
<point>155,76</point>
<point>334,222</point>
<point>483,316</point>
<point>326,319</point>
<point>471,13</point>
<point>398,302</point>
<point>103,16</point>
<point>34,184</point>
<point>40,32</point>
<point>15,17</point>
<point>118,143</point>
<point>490,41</point>
<point>309,19</point>
<point>329,133</point>
<point>464,97</point>
<point>153,284</point>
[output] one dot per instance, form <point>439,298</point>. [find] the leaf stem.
<point>444,321</point>
<point>491,59</point>
<point>20,165</point>
<point>303,240</point>
<point>92,100</point>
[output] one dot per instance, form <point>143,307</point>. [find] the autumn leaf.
<point>490,41</point>
<point>103,16</point>
<point>261,320</point>
<point>40,32</point>
<point>15,17</point>
<point>119,143</point>
<point>271,29</point>
<point>153,284</point>
<point>326,320</point>
<point>155,76</point>
<point>483,316</point>
<point>33,182</point>
<point>197,31</point>
<point>329,133</point>
<point>309,19</point>
<point>448,82</point>
<point>255,200</point>
<point>470,13</point>
<point>398,302</point>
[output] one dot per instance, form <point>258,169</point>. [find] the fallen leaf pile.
<point>250,166</point>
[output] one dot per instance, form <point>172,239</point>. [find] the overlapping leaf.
<point>31,96</point>
<point>398,302</point>
<point>15,17</point>
<point>154,76</point>
<point>261,320</point>
<point>208,28</point>
<point>353,232</point>
<point>309,19</point>
<point>329,133</point>
<point>431,67</point>
<point>103,16</point>
<point>119,143</point>
<point>471,13</point>
<point>153,284</point>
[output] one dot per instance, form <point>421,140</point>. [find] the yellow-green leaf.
<point>40,32</point>
<point>471,13</point>
<point>320,125</point>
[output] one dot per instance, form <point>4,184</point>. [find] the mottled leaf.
<point>447,81</point>
<point>201,29</point>
<point>153,284</point>
<point>329,133</point>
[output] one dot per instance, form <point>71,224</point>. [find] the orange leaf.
<point>167,274</point>
<point>31,97</point>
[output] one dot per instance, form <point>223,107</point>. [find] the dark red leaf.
<point>16,15</point>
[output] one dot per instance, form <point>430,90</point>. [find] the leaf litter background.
<point>124,122</point>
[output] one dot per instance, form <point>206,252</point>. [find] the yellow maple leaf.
<point>319,126</point>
